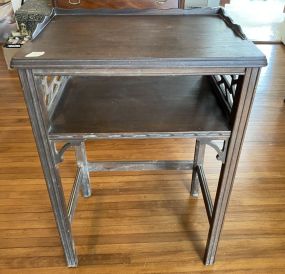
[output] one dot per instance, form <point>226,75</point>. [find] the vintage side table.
<point>137,74</point>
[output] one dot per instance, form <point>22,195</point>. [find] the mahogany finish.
<point>224,2</point>
<point>193,43</point>
<point>160,40</point>
<point>116,4</point>
<point>130,104</point>
<point>144,222</point>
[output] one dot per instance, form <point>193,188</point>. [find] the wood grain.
<point>135,101</point>
<point>145,222</point>
<point>140,41</point>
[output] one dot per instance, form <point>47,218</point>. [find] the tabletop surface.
<point>195,40</point>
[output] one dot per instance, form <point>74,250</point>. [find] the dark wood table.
<point>105,74</point>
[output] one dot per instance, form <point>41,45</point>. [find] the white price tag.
<point>35,54</point>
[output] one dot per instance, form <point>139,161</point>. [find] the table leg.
<point>198,160</point>
<point>48,161</point>
<point>242,111</point>
<point>81,157</point>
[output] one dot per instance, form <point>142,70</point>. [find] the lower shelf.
<point>134,107</point>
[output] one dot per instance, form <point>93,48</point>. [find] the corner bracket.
<point>222,152</point>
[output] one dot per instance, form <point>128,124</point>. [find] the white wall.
<point>260,20</point>
<point>283,32</point>
<point>202,3</point>
<point>7,23</point>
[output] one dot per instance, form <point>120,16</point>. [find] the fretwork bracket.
<point>222,152</point>
<point>52,87</point>
<point>58,154</point>
<point>225,88</point>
